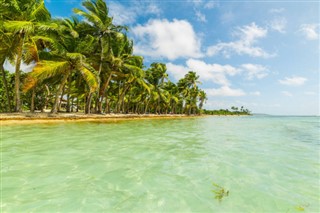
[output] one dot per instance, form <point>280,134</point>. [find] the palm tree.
<point>97,15</point>
<point>190,84</point>
<point>63,59</point>
<point>21,19</point>
<point>156,76</point>
<point>119,59</point>
<point>202,98</point>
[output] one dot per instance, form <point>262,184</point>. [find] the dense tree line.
<point>233,111</point>
<point>85,63</point>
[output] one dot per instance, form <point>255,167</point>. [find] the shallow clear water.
<point>268,164</point>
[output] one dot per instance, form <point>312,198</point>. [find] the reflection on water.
<point>268,164</point>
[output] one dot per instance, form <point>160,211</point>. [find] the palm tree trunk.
<point>6,86</point>
<point>103,92</point>
<point>88,103</point>
<point>68,94</point>
<point>121,99</point>
<point>147,105</point>
<point>97,106</point>
<point>77,103</point>
<point>117,104</point>
<point>59,93</point>
<point>17,76</point>
<point>32,99</point>
<point>72,99</point>
<point>61,98</point>
<point>47,97</point>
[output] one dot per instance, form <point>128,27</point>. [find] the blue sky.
<point>263,55</point>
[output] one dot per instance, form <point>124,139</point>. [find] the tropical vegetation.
<point>83,63</point>
<point>233,111</point>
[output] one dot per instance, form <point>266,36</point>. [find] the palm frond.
<point>142,83</point>
<point>90,78</point>
<point>47,27</point>
<point>8,47</point>
<point>30,52</point>
<point>43,38</point>
<point>90,17</point>
<point>29,83</point>
<point>40,13</point>
<point>19,26</point>
<point>48,69</point>
<point>75,56</point>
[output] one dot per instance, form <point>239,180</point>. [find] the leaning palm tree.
<point>63,58</point>
<point>97,14</point>
<point>120,57</point>
<point>202,98</point>
<point>21,19</point>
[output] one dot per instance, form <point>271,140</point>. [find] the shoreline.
<point>35,118</point>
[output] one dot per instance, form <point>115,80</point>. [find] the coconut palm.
<point>63,59</point>
<point>85,60</point>
<point>97,14</point>
<point>21,19</point>
<point>190,90</point>
<point>156,76</point>
<point>202,98</point>
<point>133,75</point>
<point>119,59</point>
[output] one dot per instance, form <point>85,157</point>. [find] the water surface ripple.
<point>268,164</point>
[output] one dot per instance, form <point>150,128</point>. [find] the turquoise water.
<point>268,164</point>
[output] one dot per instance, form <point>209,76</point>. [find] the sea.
<point>201,164</point>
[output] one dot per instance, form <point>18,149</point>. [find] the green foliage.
<point>3,95</point>
<point>233,111</point>
<point>84,63</point>
<point>219,192</point>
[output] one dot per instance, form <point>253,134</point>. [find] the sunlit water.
<point>268,164</point>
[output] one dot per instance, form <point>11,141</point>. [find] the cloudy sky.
<point>263,55</point>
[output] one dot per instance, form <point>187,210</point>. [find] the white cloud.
<point>225,91</point>
<point>215,73</point>
<point>196,2</point>
<point>227,17</point>
<point>24,67</point>
<point>247,38</point>
<point>128,14</point>
<point>256,93</point>
<point>153,9</point>
<point>293,81</point>
<point>286,93</point>
<point>207,4</point>
<point>276,10</point>
<point>311,93</point>
<point>279,24</point>
<point>200,16</point>
<point>310,31</point>
<point>121,15</point>
<point>254,71</point>
<point>177,71</point>
<point>210,5</point>
<point>171,40</point>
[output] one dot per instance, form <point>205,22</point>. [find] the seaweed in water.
<point>219,192</point>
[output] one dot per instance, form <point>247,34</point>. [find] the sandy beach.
<point>31,118</point>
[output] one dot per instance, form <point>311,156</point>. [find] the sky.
<point>263,55</point>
